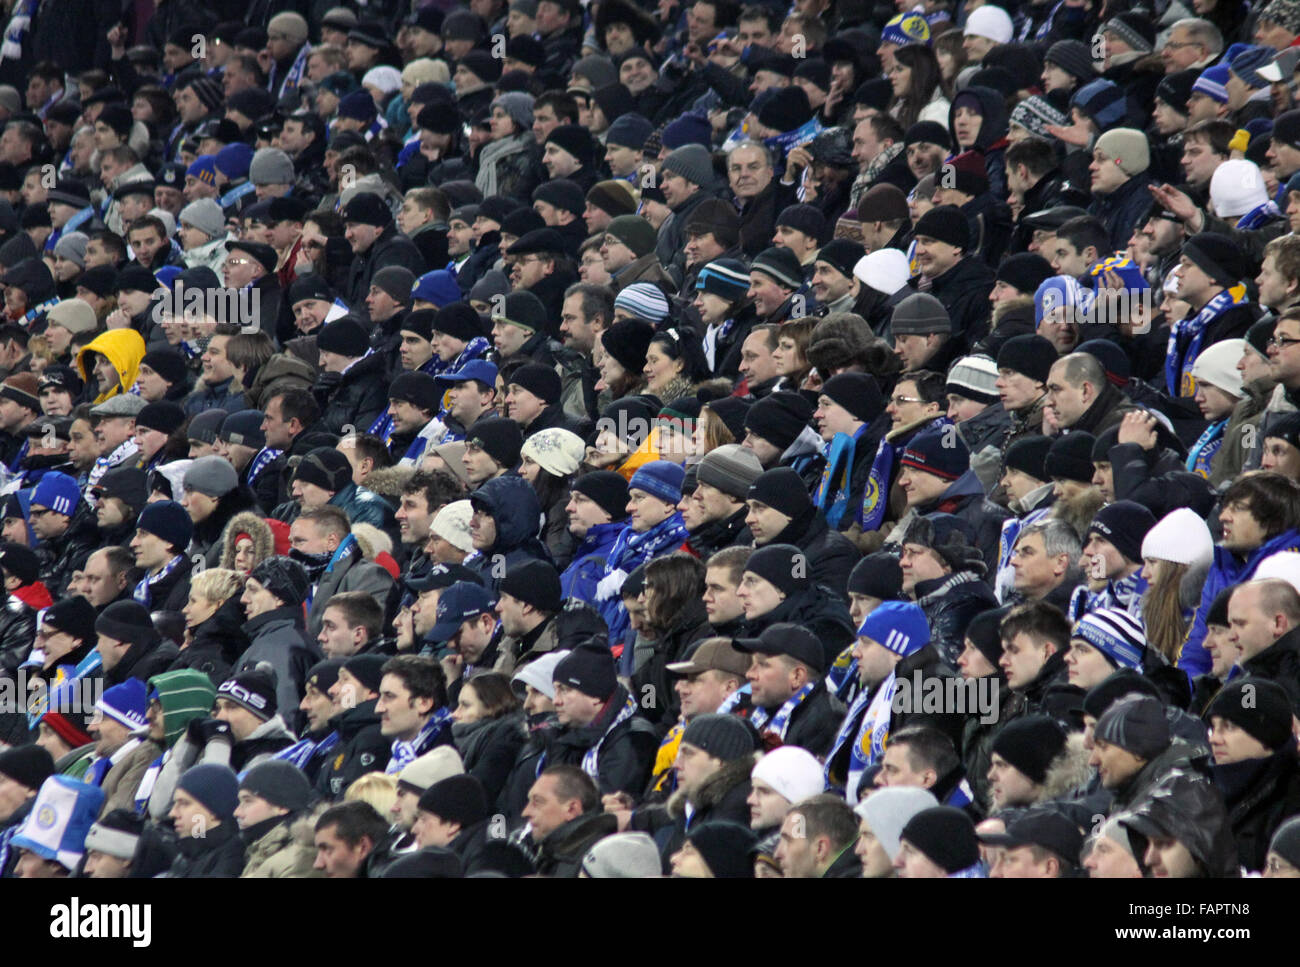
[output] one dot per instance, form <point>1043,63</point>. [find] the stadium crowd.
<point>526,437</point>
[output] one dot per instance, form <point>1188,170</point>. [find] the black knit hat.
<point>163,416</point>
<point>803,218</point>
<point>589,668</point>
<point>253,690</point>
<point>628,341</point>
<point>1024,272</point>
<point>783,566</point>
<point>283,577</point>
<point>540,380</point>
<point>1176,90</point>
<point>20,561</point>
<point>842,255</point>
<point>326,468</point>
<point>877,576</point>
<point>1028,455</point>
<point>1136,725</point>
<point>1030,355</point>
<point>536,583</point>
<point>1030,743</point>
<point>1258,706</point>
<point>457,320</point>
<point>73,616</point>
<point>946,836</point>
<point>782,489</point>
<point>1116,685</point>
<point>1070,458</point>
<point>984,633</point>
<point>168,364</point>
<point>498,437</point>
<point>928,132</point>
<point>279,783</point>
<point>27,765</point>
<point>945,223</point>
<point>368,669</point>
<point>726,848</point>
<point>785,110</point>
<point>577,141</point>
<point>367,208</point>
<point>725,737</point>
<point>417,388</point>
<point>607,488</point>
<point>344,336</point>
<point>856,392</point>
<point>562,194</point>
<point>1217,256</point>
<point>128,621</point>
<point>456,799</point>
<point>1124,523</point>
<point>779,418</point>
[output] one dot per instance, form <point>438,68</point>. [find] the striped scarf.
<point>12,47</point>
<point>264,458</point>
<point>144,590</point>
<point>305,749</point>
<point>124,452</point>
<point>631,550</point>
<point>779,723</point>
<point>1187,335</point>
<point>404,752</point>
<point>591,760</point>
<point>1205,449</point>
<point>868,723</point>
<point>296,70</point>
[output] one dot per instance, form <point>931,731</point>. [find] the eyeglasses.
<point>238,261</point>
<point>899,400</point>
<point>1281,342</point>
<point>1187,43</point>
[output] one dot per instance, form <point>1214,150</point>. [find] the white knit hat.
<point>452,525</point>
<point>991,22</point>
<point>556,450</point>
<point>540,673</point>
<point>1284,566</point>
<point>793,772</point>
<point>888,810</point>
<point>1237,187</point>
<point>1181,537</point>
<point>885,270</point>
<point>1217,365</point>
<point>384,77</point>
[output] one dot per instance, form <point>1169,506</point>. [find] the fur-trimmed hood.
<point>256,527</point>
<point>389,481</point>
<point>1069,770</point>
<point>1078,512</point>
<point>714,789</point>
<point>372,540</point>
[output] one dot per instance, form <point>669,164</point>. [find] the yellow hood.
<point>124,348</point>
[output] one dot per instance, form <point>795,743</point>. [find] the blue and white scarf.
<point>297,69</point>
<point>144,590</point>
<point>591,760</point>
<point>869,733</point>
<point>1206,448</point>
<point>1257,217</point>
<point>782,144</point>
<point>633,549</point>
<point>779,723</point>
<point>732,701</point>
<point>837,478</point>
<point>265,457</point>
<point>1124,594</point>
<point>1004,582</point>
<point>304,750</point>
<point>1187,335</point>
<point>124,452</point>
<point>404,752</point>
<point>15,34</point>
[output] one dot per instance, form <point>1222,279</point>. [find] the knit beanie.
<point>326,468</point>
<point>779,418</point>
<point>57,492</point>
<point>919,315</point>
<point>1128,148</point>
<point>643,300</point>
<point>724,737</point>
<point>1247,63</point>
<point>1258,706</point>
<point>1070,458</point>
<point>731,469</point>
<point>279,783</point>
<point>1030,743</point>
<point>285,578</point>
<point>27,765</point>
<point>803,218</point>
<point>1073,57</point>
<point>1286,841</point>
<point>1039,112</point>
<point>659,478</point>
<point>883,203</point>
<point>777,489</point>
<point>1116,634</point>
<point>1030,355</point>
<point>168,521</point>
<point>1134,28</point>
<point>983,633</point>
<point>944,834</point>
<point>590,669</point>
<point>1213,83</point>
<point>500,438</point>
<point>1024,272</point>
<point>897,626</point>
<point>877,576</point>
<point>212,476</point>
<point>457,799</point>
<point>1137,725</point>
<point>944,223</point>
<point>858,393</point>
<point>1124,523</point>
<point>1102,101</point>
<point>252,689</point>
<point>1182,537</point>
<point>634,232</point>
<point>629,131</point>
<point>1119,684</point>
<point>214,786</point>
<point>792,772</point>
<point>783,566</point>
<point>1217,256</point>
<point>1217,366</point>
<point>780,264</point>
<point>938,451</point>
<point>614,198</point>
<point>345,337</point>
<point>607,489</point>
<point>726,278</point>
<point>693,162</point>
<point>974,378</point>
<point>367,669</point>
<point>727,848</point>
<point>127,621</point>
<point>887,811</point>
<point>786,109</point>
<point>534,583</point>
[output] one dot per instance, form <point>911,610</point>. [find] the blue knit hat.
<point>644,300</point>
<point>233,160</point>
<point>659,478</point>
<point>125,703</point>
<point>169,521</point>
<point>1246,65</point>
<point>629,131</point>
<point>897,626</point>
<point>358,105</point>
<point>726,278</point>
<point>438,287</point>
<point>57,492</point>
<point>204,168</point>
<point>1213,83</point>
<point>1058,291</point>
<point>1114,633</point>
<point>1102,101</point>
<point>940,451</point>
<point>214,786</point>
<point>687,129</point>
<point>906,28</point>
<point>61,816</point>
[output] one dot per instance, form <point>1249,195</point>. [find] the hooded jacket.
<point>513,504</point>
<point>965,498</point>
<point>831,555</point>
<point>992,137</point>
<point>124,348</point>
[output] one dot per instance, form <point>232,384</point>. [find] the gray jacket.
<point>279,640</point>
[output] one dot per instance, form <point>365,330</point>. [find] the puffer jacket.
<point>62,555</point>
<point>353,399</point>
<point>514,506</point>
<point>816,609</point>
<point>284,851</point>
<point>949,603</point>
<point>17,631</point>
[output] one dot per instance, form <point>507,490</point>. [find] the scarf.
<point>1206,447</point>
<point>882,160</point>
<point>404,753</point>
<point>632,549</point>
<point>144,590</point>
<point>306,749</point>
<point>1187,335</point>
<point>868,722</point>
<point>1258,217</point>
<point>833,494</point>
<point>875,496</point>
<point>264,458</point>
<point>125,451</point>
<point>486,179</point>
<point>732,701</point>
<point>779,723</point>
<point>782,144</point>
<point>16,32</point>
<point>591,760</point>
<point>1124,594</point>
<point>296,70</point>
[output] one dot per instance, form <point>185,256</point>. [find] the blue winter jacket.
<point>580,578</point>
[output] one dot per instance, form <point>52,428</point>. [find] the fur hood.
<point>1078,512</point>
<point>372,541</point>
<point>389,481</point>
<point>1069,770</point>
<point>256,527</point>
<point>715,788</point>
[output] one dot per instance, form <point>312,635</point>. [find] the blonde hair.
<point>217,584</point>
<point>375,788</point>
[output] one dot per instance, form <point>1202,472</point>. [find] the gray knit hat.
<point>211,475</point>
<point>72,247</point>
<point>634,232</point>
<point>270,166</point>
<point>519,106</point>
<point>781,264</point>
<point>920,315</point>
<point>693,162</point>
<point>205,215</point>
<point>623,856</point>
<point>1137,725</point>
<point>730,468</point>
<point>724,737</point>
<point>597,69</point>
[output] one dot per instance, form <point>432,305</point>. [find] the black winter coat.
<point>816,609</point>
<point>216,644</point>
<point>62,555</point>
<point>218,854</point>
<point>625,756</point>
<point>949,603</point>
<point>17,632</point>
<point>1259,795</point>
<point>652,684</point>
<point>390,248</point>
<point>816,721</point>
<point>354,398</point>
<point>489,748</point>
<point>561,853</point>
<point>831,555</point>
<point>1280,663</point>
<point>361,749</point>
